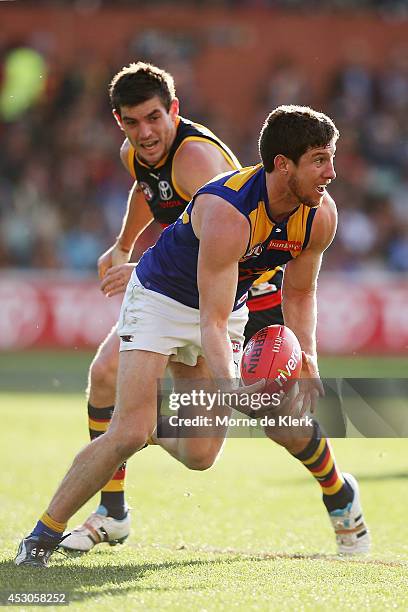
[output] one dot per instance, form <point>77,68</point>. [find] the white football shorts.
<point>150,321</point>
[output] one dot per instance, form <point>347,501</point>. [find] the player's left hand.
<point>310,386</point>
<point>116,279</point>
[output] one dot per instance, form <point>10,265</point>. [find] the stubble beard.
<point>293,185</point>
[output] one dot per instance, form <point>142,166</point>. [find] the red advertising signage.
<point>355,317</point>
<point>46,312</point>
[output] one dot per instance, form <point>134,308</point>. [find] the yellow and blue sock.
<point>49,529</point>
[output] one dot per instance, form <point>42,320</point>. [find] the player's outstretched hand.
<point>115,256</point>
<point>309,387</point>
<point>116,279</point>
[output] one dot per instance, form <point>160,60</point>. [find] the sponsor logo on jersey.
<point>166,192</point>
<point>147,191</point>
<point>284,245</point>
<point>171,204</point>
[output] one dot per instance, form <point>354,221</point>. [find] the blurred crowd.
<point>398,7</point>
<point>63,190</point>
<point>371,189</point>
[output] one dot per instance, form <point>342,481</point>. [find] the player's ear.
<point>174,108</point>
<point>281,163</point>
<point>118,119</point>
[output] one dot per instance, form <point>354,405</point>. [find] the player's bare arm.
<point>300,280</point>
<point>137,217</point>
<point>196,163</point>
<point>299,286</point>
<point>223,233</point>
<point>138,214</point>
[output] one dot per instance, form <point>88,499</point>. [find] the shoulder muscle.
<point>195,163</point>
<point>220,227</point>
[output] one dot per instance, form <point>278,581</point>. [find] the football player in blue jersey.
<point>185,307</point>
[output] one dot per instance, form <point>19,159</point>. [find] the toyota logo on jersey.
<point>166,192</point>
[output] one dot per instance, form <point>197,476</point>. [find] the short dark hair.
<point>291,131</point>
<point>139,82</point>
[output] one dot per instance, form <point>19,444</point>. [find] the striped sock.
<point>113,493</point>
<point>48,528</point>
<point>319,459</point>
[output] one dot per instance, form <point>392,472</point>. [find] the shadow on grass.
<point>103,580</point>
<point>85,583</point>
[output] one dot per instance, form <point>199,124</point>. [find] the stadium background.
<point>63,190</point>
<point>248,534</point>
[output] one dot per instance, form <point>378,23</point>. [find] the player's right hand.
<point>115,256</point>
<point>309,387</point>
<point>116,279</point>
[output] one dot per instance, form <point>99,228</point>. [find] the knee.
<point>200,461</point>
<point>126,443</point>
<point>103,372</point>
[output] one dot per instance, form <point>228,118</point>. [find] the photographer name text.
<point>228,421</point>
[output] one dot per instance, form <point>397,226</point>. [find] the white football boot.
<point>96,530</point>
<point>352,535</point>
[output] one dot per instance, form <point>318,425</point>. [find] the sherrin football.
<point>274,353</point>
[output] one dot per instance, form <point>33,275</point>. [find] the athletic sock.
<point>113,504</point>
<point>319,459</point>
<point>113,493</point>
<point>49,529</point>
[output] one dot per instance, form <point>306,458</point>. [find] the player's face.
<point>150,128</point>
<point>314,171</point>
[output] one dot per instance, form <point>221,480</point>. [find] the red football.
<point>274,353</point>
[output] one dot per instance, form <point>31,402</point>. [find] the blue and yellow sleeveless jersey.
<point>170,266</point>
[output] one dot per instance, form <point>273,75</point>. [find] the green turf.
<point>364,367</point>
<point>63,371</point>
<point>66,371</point>
<point>249,534</point>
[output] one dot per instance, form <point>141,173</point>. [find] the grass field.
<point>66,371</point>
<point>249,534</point>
